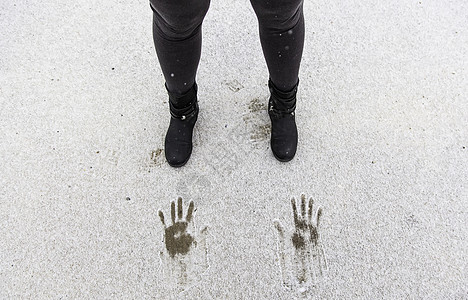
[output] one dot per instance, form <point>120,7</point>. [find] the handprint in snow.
<point>179,239</point>
<point>176,237</point>
<point>308,259</point>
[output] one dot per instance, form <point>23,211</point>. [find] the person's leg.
<point>281,28</point>
<point>177,39</point>
<point>282,31</point>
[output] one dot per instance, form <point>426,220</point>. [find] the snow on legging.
<point>177,38</point>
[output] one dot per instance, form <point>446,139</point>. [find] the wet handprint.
<point>182,264</point>
<point>176,237</point>
<point>306,230</point>
<point>309,259</point>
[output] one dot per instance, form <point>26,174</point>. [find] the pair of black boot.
<point>184,114</point>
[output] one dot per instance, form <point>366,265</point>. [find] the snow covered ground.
<point>382,117</point>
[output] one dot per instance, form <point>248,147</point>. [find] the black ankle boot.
<point>184,114</point>
<point>283,123</point>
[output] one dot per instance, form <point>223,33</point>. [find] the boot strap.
<point>185,112</point>
<point>280,112</point>
<point>188,110</point>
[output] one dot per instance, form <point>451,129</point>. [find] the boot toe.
<point>283,151</point>
<point>177,155</point>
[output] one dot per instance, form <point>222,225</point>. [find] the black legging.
<point>177,39</point>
